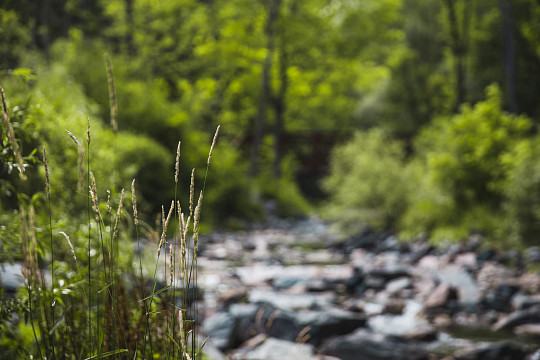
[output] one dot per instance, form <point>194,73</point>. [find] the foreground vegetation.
<point>432,105</point>
<point>85,292</point>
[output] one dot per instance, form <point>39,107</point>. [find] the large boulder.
<point>496,351</point>
<point>519,317</point>
<point>365,345</point>
<point>247,320</point>
<point>221,329</point>
<point>500,297</point>
<point>276,349</point>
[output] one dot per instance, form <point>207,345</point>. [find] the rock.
<point>512,258</point>
<point>245,318</point>
<point>251,319</point>
<point>462,281</point>
<point>530,283</point>
<point>521,301</point>
<point>467,260</point>
<point>354,283</point>
<point>419,251</point>
<point>11,277</point>
<point>318,325</point>
<point>532,254</point>
<point>499,298</point>
<point>492,274</point>
<point>377,278</point>
<point>365,345</point>
<point>532,330</point>
<point>276,349</point>
<point>221,330</point>
<point>399,325</point>
<point>519,317</point>
<point>281,283</point>
<point>367,239</point>
<point>441,297</point>
<point>288,301</point>
<point>496,351</point>
<point>535,355</point>
<point>232,296</point>
<point>391,243</point>
<point>424,334</point>
<point>393,307</point>
<point>486,255</point>
<point>398,284</point>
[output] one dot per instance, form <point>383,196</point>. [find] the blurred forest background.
<point>418,117</point>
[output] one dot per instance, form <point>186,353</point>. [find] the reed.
<point>11,133</point>
<point>93,317</point>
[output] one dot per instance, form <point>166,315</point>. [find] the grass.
<point>95,301</point>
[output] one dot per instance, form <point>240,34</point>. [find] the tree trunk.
<point>509,52</point>
<point>459,51</point>
<point>260,120</point>
<point>280,107</point>
<point>130,27</point>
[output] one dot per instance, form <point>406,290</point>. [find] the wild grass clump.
<point>86,292</point>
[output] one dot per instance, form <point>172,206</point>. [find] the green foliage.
<point>15,39</point>
<point>463,153</point>
<point>461,170</point>
<point>283,191</point>
<point>368,182</point>
<point>522,192</point>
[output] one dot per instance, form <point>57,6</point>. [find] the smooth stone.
<point>496,351</point>
<point>276,349</point>
<point>365,345</point>
<point>519,317</point>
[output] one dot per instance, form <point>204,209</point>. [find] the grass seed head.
<point>47,179</point>
<point>118,215</point>
<point>112,93</point>
<point>196,225</point>
<point>134,201</point>
<point>165,225</point>
<point>177,164</point>
<point>70,245</point>
<point>11,134</point>
<point>213,144</point>
<point>192,192</point>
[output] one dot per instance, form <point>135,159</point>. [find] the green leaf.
<point>114,352</point>
<point>157,293</point>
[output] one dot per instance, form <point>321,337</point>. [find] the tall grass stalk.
<point>90,335</point>
<point>53,298</point>
<point>90,317</point>
<point>11,134</point>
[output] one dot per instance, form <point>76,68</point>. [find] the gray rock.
<point>364,345</point>
<point>287,301</point>
<point>465,284</point>
<point>287,325</point>
<point>11,277</point>
<point>533,254</point>
<point>276,349</point>
<point>521,301</point>
<point>221,329</point>
<point>496,351</point>
<point>499,298</point>
<point>519,317</point>
<point>443,294</point>
<point>398,284</point>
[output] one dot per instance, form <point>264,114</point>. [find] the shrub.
<point>522,192</point>
<point>368,182</point>
<point>461,158</point>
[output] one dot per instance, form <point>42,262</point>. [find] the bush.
<point>461,158</point>
<point>368,182</point>
<point>522,192</point>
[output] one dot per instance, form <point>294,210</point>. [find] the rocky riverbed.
<point>290,291</point>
